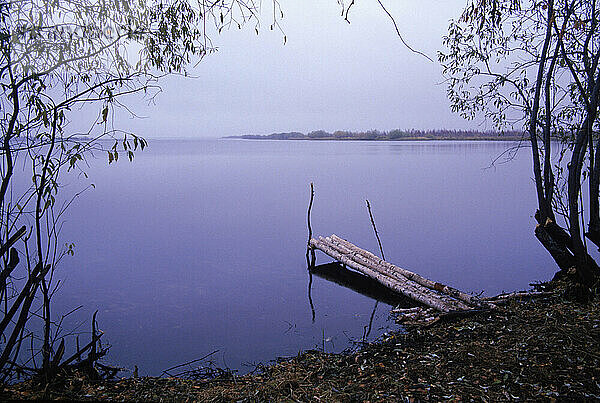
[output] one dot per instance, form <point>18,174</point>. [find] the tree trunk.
<point>593,233</point>
<point>561,255</point>
<point>584,265</point>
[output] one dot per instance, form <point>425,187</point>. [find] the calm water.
<point>200,245</point>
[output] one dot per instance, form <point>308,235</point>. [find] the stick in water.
<point>308,247</point>
<point>375,229</point>
<point>368,329</point>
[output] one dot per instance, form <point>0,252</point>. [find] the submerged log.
<point>399,284</point>
<point>391,268</point>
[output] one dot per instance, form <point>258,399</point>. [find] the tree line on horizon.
<point>396,134</point>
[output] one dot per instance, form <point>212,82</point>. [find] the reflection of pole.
<point>368,328</point>
<point>312,307</point>
<point>310,262</point>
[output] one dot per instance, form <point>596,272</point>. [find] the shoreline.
<point>262,138</point>
<point>544,349</point>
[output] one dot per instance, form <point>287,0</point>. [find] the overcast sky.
<point>329,75</point>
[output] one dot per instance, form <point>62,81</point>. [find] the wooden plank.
<point>407,287</point>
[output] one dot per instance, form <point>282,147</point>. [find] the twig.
<point>400,35</point>
<point>347,11</point>
<point>4,248</point>
<point>79,353</point>
<point>166,371</point>
<point>92,354</point>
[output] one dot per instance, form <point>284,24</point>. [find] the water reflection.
<point>310,301</point>
<point>201,243</point>
<point>359,283</point>
<point>449,147</point>
<point>369,327</point>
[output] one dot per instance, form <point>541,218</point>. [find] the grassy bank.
<point>539,350</point>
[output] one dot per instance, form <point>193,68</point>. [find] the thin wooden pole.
<point>383,256</point>
<point>375,229</point>
<point>310,262</point>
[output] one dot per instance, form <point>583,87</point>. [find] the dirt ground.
<point>545,350</point>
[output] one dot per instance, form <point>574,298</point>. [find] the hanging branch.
<point>166,371</point>
<point>400,35</point>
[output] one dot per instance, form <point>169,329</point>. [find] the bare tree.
<point>56,59</point>
<point>534,64</point>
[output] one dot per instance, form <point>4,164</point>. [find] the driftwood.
<point>452,303</point>
<point>417,315</point>
<point>391,279</point>
<point>427,317</point>
<point>433,285</point>
<point>405,311</point>
<point>404,288</point>
<point>521,295</point>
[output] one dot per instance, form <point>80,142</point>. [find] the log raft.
<point>439,297</point>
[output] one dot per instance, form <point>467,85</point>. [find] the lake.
<point>199,245</point>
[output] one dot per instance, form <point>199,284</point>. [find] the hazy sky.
<point>329,75</point>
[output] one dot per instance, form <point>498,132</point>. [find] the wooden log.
<point>403,311</point>
<point>418,316</point>
<point>520,295</point>
<point>453,292</point>
<point>387,269</point>
<point>422,295</point>
<point>355,255</point>
<point>403,288</point>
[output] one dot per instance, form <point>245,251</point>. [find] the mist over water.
<point>199,245</point>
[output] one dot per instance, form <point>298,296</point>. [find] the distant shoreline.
<point>384,140</point>
<point>394,135</point>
